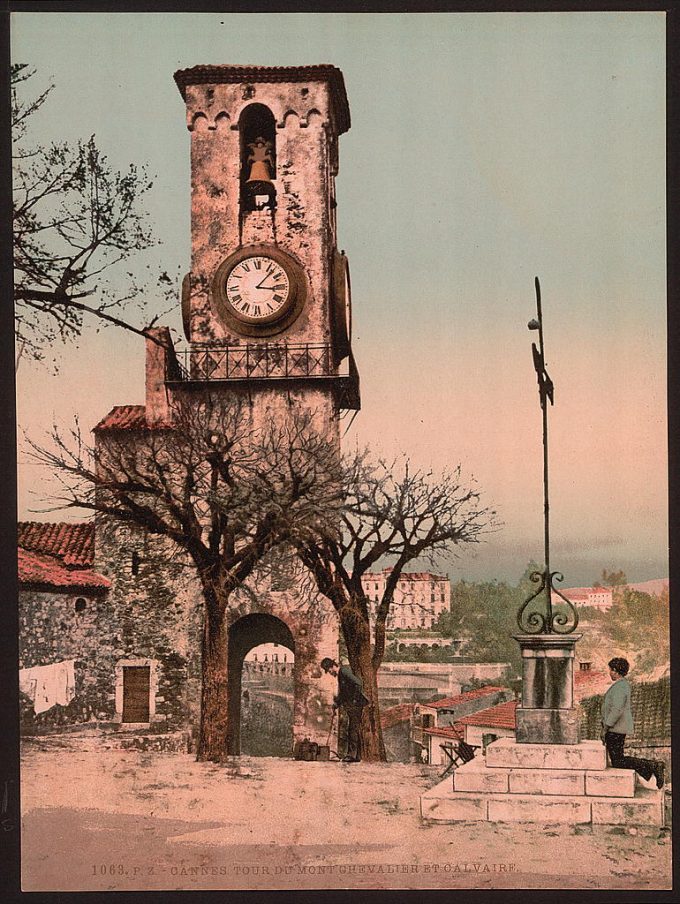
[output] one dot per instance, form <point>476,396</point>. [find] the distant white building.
<point>596,597</point>
<point>269,658</point>
<point>419,598</point>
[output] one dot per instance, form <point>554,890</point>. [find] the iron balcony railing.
<point>265,362</point>
<point>242,362</point>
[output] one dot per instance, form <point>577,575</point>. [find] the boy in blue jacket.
<point>617,722</point>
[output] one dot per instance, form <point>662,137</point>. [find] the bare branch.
<point>76,222</point>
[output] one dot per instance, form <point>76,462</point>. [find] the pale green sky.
<point>484,149</point>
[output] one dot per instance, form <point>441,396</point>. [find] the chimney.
<point>160,354</point>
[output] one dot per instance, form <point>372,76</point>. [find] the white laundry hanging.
<point>49,685</point>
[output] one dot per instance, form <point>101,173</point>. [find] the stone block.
<point>476,776</point>
<point>546,781</point>
<point>539,808</point>
<point>506,752</point>
<point>611,783</point>
<point>547,726</point>
<point>454,807</point>
<point>645,809</point>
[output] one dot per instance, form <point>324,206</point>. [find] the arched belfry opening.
<point>245,634</point>
<point>257,129</point>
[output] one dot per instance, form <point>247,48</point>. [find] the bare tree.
<point>389,512</point>
<point>76,222</point>
<point>221,489</point>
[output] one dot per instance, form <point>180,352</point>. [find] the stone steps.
<point>544,783</point>
<point>443,805</point>
<point>478,776</point>
<point>589,755</point>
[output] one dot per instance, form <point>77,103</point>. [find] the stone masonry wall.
<point>50,630</point>
<point>155,614</point>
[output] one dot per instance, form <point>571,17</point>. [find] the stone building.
<point>441,721</point>
<point>269,659</point>
<point>595,597</point>
<point>419,598</point>
<point>266,312</point>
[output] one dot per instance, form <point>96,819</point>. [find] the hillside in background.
<point>483,616</point>
<point>636,627</point>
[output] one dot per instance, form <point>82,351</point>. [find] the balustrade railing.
<point>242,362</point>
<point>266,362</point>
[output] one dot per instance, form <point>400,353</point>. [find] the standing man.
<point>351,698</point>
<point>617,722</point>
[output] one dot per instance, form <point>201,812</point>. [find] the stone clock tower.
<point>266,305</point>
<point>268,292</point>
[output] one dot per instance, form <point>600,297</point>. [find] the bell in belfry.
<point>259,188</point>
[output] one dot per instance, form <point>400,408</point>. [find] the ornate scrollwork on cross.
<point>548,621</point>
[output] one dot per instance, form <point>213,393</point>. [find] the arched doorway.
<point>246,633</point>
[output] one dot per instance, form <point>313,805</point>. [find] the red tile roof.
<point>465,697</point>
<point>124,417</point>
<point>588,676</point>
<point>582,592</point>
<point>72,543</point>
<point>446,731</point>
<point>589,682</point>
<point>41,572</point>
<point>395,714</point>
<point>500,716</point>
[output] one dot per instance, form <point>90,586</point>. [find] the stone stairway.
<point>546,783</point>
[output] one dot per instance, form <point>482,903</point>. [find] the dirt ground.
<point>100,818</point>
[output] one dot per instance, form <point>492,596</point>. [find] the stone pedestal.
<point>543,783</point>
<point>547,714</point>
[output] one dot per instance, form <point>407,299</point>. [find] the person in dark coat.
<point>351,698</point>
<point>617,722</point>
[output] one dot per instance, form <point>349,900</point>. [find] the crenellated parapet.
<point>301,95</point>
<point>208,121</point>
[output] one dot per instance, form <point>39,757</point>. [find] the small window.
<point>134,565</point>
<point>80,604</point>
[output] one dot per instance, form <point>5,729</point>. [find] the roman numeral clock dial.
<point>259,293</point>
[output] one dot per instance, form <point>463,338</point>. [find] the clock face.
<point>258,290</point>
<point>342,311</point>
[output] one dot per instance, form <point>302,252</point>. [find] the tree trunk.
<point>212,744</point>
<point>358,641</point>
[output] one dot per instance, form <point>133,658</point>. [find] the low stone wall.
<point>406,682</point>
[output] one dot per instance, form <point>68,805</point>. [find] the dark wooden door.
<point>136,693</point>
